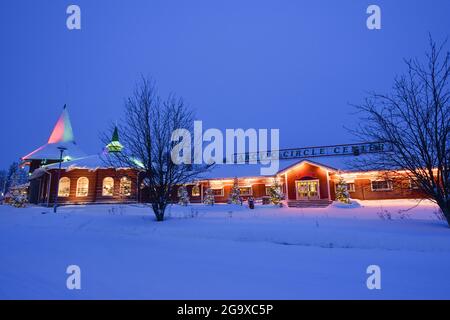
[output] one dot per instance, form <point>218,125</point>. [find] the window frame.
<point>103,187</point>
<point>413,184</point>
<point>121,188</point>
<point>246,194</point>
<point>196,187</point>
<point>82,195</point>
<point>222,192</point>
<point>65,195</point>
<point>351,190</point>
<point>390,186</point>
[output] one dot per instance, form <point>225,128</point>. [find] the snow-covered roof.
<point>61,137</point>
<point>221,171</point>
<point>51,151</point>
<point>92,162</point>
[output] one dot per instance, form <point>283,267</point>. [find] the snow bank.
<point>352,205</point>
<point>225,252</point>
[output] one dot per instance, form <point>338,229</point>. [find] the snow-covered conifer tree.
<point>209,197</point>
<point>342,194</point>
<point>235,193</point>
<point>276,193</point>
<point>16,176</point>
<point>183,196</point>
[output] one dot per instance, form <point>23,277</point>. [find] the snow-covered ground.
<point>225,252</point>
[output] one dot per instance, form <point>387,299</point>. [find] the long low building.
<point>304,182</point>
<point>90,179</point>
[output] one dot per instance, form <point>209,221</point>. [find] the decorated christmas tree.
<point>183,196</point>
<point>276,193</point>
<point>235,194</point>
<point>209,197</point>
<point>18,197</point>
<point>342,194</point>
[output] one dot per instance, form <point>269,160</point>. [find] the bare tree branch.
<point>415,120</point>
<point>146,132</point>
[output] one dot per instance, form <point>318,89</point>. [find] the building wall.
<point>95,187</point>
<point>258,187</point>
<point>363,190</point>
<point>35,164</point>
<point>306,171</point>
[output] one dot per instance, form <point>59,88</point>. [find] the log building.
<point>89,179</point>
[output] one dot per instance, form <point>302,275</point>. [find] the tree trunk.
<point>446,212</point>
<point>159,212</point>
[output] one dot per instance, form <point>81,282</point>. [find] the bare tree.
<point>414,119</point>
<point>146,134</point>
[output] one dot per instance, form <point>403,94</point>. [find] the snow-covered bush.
<point>351,205</point>
<point>183,196</point>
<point>209,197</point>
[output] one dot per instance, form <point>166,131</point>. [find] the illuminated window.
<point>196,191</point>
<point>351,187</point>
<point>382,185</point>
<point>245,191</point>
<point>64,187</point>
<point>125,186</point>
<point>108,187</point>
<point>268,190</point>
<point>414,184</point>
<point>218,192</point>
<point>82,187</point>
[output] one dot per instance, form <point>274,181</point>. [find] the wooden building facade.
<point>305,183</point>
<point>61,171</point>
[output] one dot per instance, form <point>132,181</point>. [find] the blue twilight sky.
<point>288,64</point>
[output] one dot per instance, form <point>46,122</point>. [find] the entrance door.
<point>307,189</point>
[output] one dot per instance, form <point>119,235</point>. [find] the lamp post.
<point>61,151</point>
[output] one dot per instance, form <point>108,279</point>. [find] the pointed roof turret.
<point>61,136</point>
<point>62,132</point>
<point>115,145</point>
